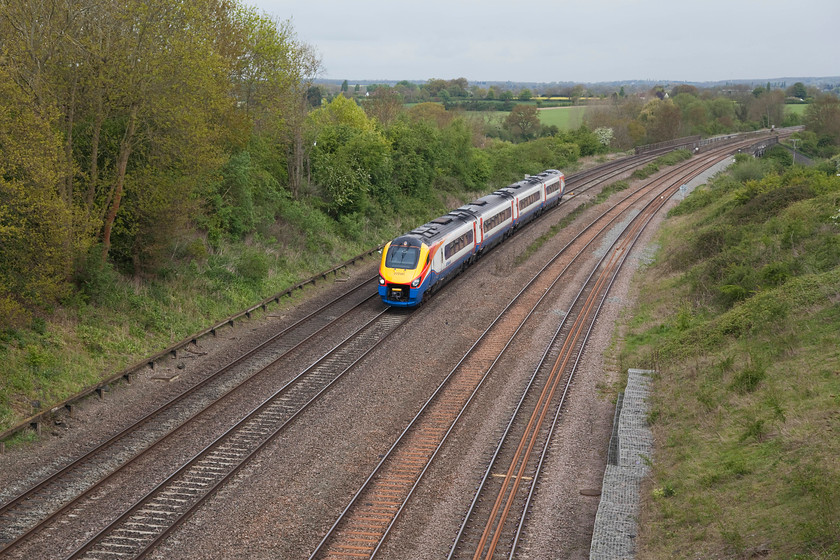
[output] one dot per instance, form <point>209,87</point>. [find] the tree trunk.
<point>68,145</point>
<point>125,152</point>
<point>94,153</point>
<point>297,148</point>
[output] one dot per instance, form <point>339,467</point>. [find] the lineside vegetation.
<point>740,317</point>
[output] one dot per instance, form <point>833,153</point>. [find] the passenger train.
<point>416,264</point>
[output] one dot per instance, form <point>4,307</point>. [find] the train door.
<point>476,240</point>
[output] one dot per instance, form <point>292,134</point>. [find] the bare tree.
<point>385,104</point>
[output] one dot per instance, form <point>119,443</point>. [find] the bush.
<point>748,379</point>
<point>769,204</point>
<point>749,170</point>
<point>253,266</point>
<point>95,279</point>
<point>13,313</point>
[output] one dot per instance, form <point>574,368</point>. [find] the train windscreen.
<point>402,257</point>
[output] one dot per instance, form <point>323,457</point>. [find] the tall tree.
<point>34,221</point>
<point>523,122</point>
<point>168,89</point>
<point>385,104</point>
<point>823,117</point>
<point>798,90</point>
<point>662,120</point>
<point>768,108</point>
<point>276,73</point>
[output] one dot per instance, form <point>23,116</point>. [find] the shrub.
<point>750,170</point>
<point>699,198</point>
<point>748,379</point>
<point>252,266</point>
<point>769,204</point>
<point>12,312</point>
<point>95,279</point>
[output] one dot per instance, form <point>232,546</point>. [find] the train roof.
<point>437,228</point>
<point>432,231</point>
<point>531,180</point>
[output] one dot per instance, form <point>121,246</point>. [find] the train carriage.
<point>415,264</point>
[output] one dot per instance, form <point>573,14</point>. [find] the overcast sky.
<point>568,41</point>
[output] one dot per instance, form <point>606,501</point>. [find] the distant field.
<point>564,118</point>
<point>798,109</point>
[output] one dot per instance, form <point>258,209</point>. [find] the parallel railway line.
<point>38,507</point>
<point>373,511</point>
<point>496,517</point>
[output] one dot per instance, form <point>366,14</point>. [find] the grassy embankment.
<point>740,316</point>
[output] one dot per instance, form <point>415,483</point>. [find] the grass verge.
<point>740,316</point>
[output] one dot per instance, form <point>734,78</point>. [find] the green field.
<point>564,118</point>
<point>797,109</point>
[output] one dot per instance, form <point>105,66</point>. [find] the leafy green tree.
<point>314,96</point>
<point>662,120</point>
<point>822,117</point>
<point>35,224</point>
<point>350,156</point>
<point>588,142</point>
<point>415,153</point>
<point>434,85</point>
<point>171,94</point>
<point>277,71</point>
<point>767,109</point>
<point>685,89</point>
<point>432,112</point>
<point>798,90</point>
<point>523,122</point>
<point>525,95</point>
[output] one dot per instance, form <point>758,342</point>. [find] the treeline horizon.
<point>142,136</point>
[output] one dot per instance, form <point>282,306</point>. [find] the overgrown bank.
<point>740,316</point>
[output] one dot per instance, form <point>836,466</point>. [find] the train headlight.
<point>415,282</point>
<point>381,280</point>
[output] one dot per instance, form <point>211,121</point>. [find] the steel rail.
<point>527,441</point>
<point>536,420</point>
<point>544,452</point>
<point>612,269</point>
<point>187,423</point>
<point>87,457</point>
<point>235,430</point>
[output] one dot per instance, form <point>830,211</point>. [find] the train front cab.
<point>404,271</point>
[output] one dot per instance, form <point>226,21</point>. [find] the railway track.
<point>68,491</point>
<point>170,503</point>
<point>495,520</point>
<point>362,527</point>
<point>57,496</point>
